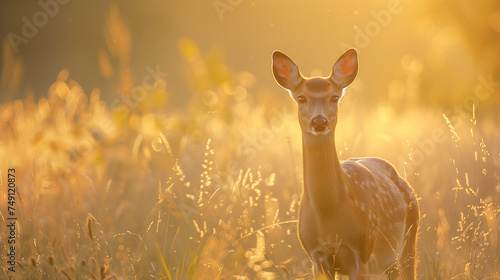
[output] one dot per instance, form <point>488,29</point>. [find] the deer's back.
<point>376,188</point>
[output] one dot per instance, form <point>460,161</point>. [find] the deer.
<point>357,218</point>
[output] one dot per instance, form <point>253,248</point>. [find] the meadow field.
<point>138,186</point>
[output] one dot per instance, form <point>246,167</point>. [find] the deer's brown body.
<point>358,217</point>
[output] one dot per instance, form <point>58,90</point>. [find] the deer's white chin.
<point>320,133</point>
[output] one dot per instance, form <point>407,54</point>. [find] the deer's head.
<point>317,97</point>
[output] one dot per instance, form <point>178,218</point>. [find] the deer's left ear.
<point>345,69</point>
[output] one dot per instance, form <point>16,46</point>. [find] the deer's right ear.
<point>285,71</point>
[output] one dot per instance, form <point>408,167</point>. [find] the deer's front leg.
<point>322,264</point>
<point>335,259</point>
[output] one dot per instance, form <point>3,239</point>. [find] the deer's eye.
<point>335,99</point>
<point>301,99</point>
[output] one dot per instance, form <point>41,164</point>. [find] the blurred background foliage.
<point>151,141</point>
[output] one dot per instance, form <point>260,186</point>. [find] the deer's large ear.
<point>285,71</point>
<point>345,69</point>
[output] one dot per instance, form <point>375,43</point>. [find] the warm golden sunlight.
<point>168,140</point>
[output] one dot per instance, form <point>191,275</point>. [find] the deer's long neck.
<point>324,179</point>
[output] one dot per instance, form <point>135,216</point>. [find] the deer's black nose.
<point>319,123</point>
